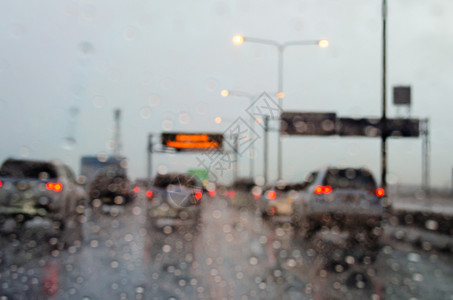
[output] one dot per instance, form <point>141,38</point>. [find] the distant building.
<point>91,166</point>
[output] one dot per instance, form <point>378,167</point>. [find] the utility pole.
<point>265,154</point>
<point>236,158</point>
<point>150,159</point>
<point>384,100</point>
<point>117,134</point>
<point>426,154</point>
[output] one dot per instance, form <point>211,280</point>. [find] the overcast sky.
<point>66,65</point>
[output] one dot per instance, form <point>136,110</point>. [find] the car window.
<point>70,174</point>
<point>28,169</point>
<point>349,179</point>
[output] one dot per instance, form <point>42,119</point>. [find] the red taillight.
<point>149,193</point>
<point>136,189</point>
<point>271,194</point>
<point>54,186</point>
<point>212,193</point>
<point>380,192</point>
<point>50,284</point>
<point>1,183</point>
<point>323,189</point>
<point>198,195</point>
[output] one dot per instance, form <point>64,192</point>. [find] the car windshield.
<point>226,149</point>
<point>176,179</point>
<point>349,179</point>
<point>27,169</point>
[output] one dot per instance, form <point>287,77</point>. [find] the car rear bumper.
<point>345,220</point>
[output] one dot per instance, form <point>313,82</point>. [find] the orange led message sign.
<point>192,141</point>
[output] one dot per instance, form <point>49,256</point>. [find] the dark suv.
<point>175,200</point>
<point>111,187</point>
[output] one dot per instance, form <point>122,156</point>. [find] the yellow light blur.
<point>218,120</point>
<point>280,95</point>
<point>323,43</point>
<point>224,93</point>
<point>238,39</point>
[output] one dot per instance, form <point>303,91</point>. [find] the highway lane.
<point>233,254</point>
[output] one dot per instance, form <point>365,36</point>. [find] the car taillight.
<point>212,193</point>
<point>1,183</point>
<point>323,189</point>
<point>229,193</point>
<point>54,186</point>
<point>198,195</point>
<point>272,194</point>
<point>136,189</point>
<point>149,193</point>
<point>380,192</point>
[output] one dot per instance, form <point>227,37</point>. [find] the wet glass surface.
<point>141,152</point>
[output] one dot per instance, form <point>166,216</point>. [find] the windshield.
<point>28,170</point>
<point>226,149</point>
<point>350,179</point>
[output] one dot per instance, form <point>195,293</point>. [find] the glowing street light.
<point>224,93</point>
<point>239,39</point>
<point>323,43</point>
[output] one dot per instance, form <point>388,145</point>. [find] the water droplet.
<point>98,101</point>
<point>68,143</point>
<point>17,30</point>
<point>114,264</point>
<point>130,33</point>
<point>212,84</point>
<point>221,9</point>
<point>184,118</point>
<point>162,169</point>
<point>86,47</point>
<point>202,108</point>
<point>167,124</point>
<point>102,157</point>
<point>145,113</point>
<point>24,151</point>
<point>153,100</point>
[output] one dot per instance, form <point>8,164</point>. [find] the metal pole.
<point>425,147</point>
<point>280,103</point>
<point>236,158</point>
<point>265,154</point>
<point>150,160</point>
<point>384,100</point>
<point>251,149</point>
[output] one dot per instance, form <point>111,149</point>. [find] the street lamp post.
<point>238,39</point>
<point>226,93</point>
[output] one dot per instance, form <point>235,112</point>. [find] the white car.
<point>43,189</point>
<point>347,198</point>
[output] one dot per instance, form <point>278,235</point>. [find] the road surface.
<point>232,254</point>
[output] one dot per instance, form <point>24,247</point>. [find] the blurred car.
<point>344,197</point>
<point>278,200</point>
<point>111,187</point>
<point>174,199</point>
<point>45,189</point>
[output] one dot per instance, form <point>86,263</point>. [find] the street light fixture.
<point>239,39</point>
